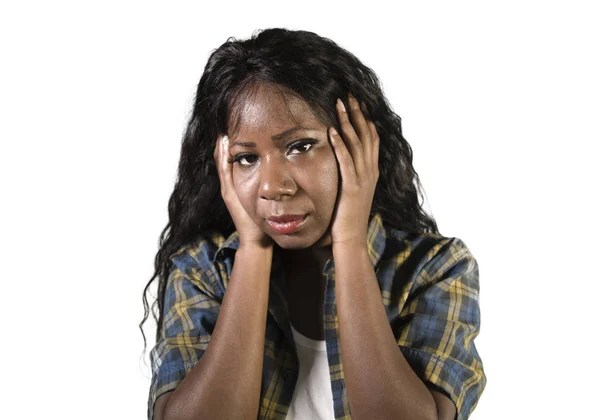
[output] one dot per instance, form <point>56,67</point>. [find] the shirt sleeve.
<point>189,316</point>
<point>440,320</point>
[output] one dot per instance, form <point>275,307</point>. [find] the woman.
<point>297,248</point>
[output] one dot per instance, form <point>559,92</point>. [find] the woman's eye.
<point>303,146</point>
<point>243,159</point>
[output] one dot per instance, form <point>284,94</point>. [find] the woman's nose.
<point>275,180</point>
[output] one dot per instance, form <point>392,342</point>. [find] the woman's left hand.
<point>357,153</point>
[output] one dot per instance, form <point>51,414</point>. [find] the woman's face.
<point>284,165</point>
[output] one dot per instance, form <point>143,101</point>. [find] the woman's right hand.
<point>249,232</point>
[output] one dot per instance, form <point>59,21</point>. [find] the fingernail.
<point>341,105</point>
<point>332,133</point>
<point>225,140</point>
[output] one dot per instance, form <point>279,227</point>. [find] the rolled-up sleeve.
<point>440,320</point>
<point>189,315</point>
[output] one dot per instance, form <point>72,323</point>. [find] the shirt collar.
<point>376,236</point>
<point>232,242</point>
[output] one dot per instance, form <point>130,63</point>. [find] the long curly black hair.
<point>317,70</point>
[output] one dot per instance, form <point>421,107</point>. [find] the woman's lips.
<point>287,224</point>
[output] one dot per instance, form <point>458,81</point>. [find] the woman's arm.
<point>226,381</point>
<point>384,378</point>
<point>379,381</point>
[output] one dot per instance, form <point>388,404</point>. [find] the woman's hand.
<point>357,153</point>
<point>249,232</point>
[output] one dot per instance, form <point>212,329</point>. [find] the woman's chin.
<point>288,242</point>
<point>291,242</point>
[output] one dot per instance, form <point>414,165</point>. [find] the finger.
<point>375,144</point>
<point>343,156</point>
<point>350,139</point>
<point>360,126</point>
<point>224,166</point>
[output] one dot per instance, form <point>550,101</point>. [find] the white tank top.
<point>312,396</point>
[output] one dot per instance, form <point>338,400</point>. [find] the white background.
<point>499,100</point>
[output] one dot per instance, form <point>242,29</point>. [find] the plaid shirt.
<point>429,286</point>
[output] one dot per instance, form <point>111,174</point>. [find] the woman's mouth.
<point>287,223</point>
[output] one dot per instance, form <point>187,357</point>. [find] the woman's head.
<point>283,164</point>
<point>253,89</point>
<point>305,67</point>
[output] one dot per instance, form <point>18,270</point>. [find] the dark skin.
<point>306,284</point>
<point>275,177</point>
<point>309,176</point>
<point>282,163</point>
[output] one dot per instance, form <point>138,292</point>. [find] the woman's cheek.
<point>244,189</point>
<point>331,174</point>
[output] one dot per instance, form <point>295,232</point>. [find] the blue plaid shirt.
<point>429,286</point>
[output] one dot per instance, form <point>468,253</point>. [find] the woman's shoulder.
<point>204,243</point>
<point>428,251</point>
<point>199,254</point>
<point>423,237</point>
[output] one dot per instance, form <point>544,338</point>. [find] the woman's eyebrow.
<point>286,133</point>
<point>276,138</point>
<point>243,144</point>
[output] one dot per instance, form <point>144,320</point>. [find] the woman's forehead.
<point>270,108</point>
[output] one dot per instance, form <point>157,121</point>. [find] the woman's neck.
<point>314,257</point>
<point>306,288</point>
